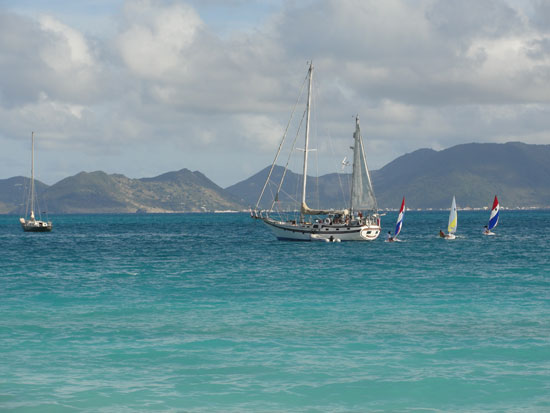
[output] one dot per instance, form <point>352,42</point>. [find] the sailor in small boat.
<point>390,238</point>
<point>441,234</point>
<point>486,230</point>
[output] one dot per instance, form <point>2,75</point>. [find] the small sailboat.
<point>32,224</point>
<point>359,222</point>
<point>399,223</point>
<point>493,218</point>
<point>453,221</point>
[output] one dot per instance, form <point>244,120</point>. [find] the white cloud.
<point>156,39</point>
<point>260,131</point>
<point>70,51</point>
<point>163,86</point>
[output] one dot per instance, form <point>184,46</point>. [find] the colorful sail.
<point>400,219</point>
<point>493,219</point>
<point>453,218</point>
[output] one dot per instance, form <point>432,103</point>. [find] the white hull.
<point>33,225</point>
<point>319,231</point>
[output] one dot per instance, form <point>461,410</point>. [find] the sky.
<point>143,87</point>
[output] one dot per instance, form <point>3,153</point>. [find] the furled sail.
<point>362,193</point>
<point>305,210</point>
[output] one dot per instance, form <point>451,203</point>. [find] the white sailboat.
<point>361,222</point>
<point>453,221</point>
<point>32,224</point>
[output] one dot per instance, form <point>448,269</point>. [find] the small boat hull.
<point>317,237</point>
<point>36,226</point>
<point>292,231</point>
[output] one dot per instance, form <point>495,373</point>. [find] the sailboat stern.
<point>369,233</point>
<point>371,228</point>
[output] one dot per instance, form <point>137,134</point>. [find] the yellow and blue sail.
<point>453,218</point>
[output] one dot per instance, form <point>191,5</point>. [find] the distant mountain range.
<point>518,173</point>
<point>13,191</point>
<point>98,192</point>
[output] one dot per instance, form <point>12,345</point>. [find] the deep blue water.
<point>208,312</point>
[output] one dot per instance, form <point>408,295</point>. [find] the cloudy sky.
<point>142,87</point>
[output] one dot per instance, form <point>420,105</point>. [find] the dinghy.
<point>399,223</point>
<point>493,218</point>
<point>318,237</point>
<point>453,221</point>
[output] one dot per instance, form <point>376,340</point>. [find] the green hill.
<point>329,190</point>
<point>518,173</point>
<point>14,191</point>
<point>98,192</point>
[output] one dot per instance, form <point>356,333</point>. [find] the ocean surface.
<point>209,312</point>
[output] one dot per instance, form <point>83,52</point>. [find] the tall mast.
<point>356,162</point>
<point>306,142</point>
<point>32,178</point>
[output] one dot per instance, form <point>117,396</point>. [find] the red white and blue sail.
<point>400,219</point>
<point>493,219</point>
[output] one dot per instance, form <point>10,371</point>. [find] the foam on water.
<point>208,312</point>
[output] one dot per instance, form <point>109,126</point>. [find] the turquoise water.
<point>208,312</point>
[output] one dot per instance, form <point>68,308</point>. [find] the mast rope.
<point>281,144</point>
<point>289,156</point>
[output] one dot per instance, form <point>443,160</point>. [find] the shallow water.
<point>208,312</point>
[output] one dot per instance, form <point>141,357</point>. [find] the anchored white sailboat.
<point>453,221</point>
<point>32,224</point>
<point>360,222</point>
